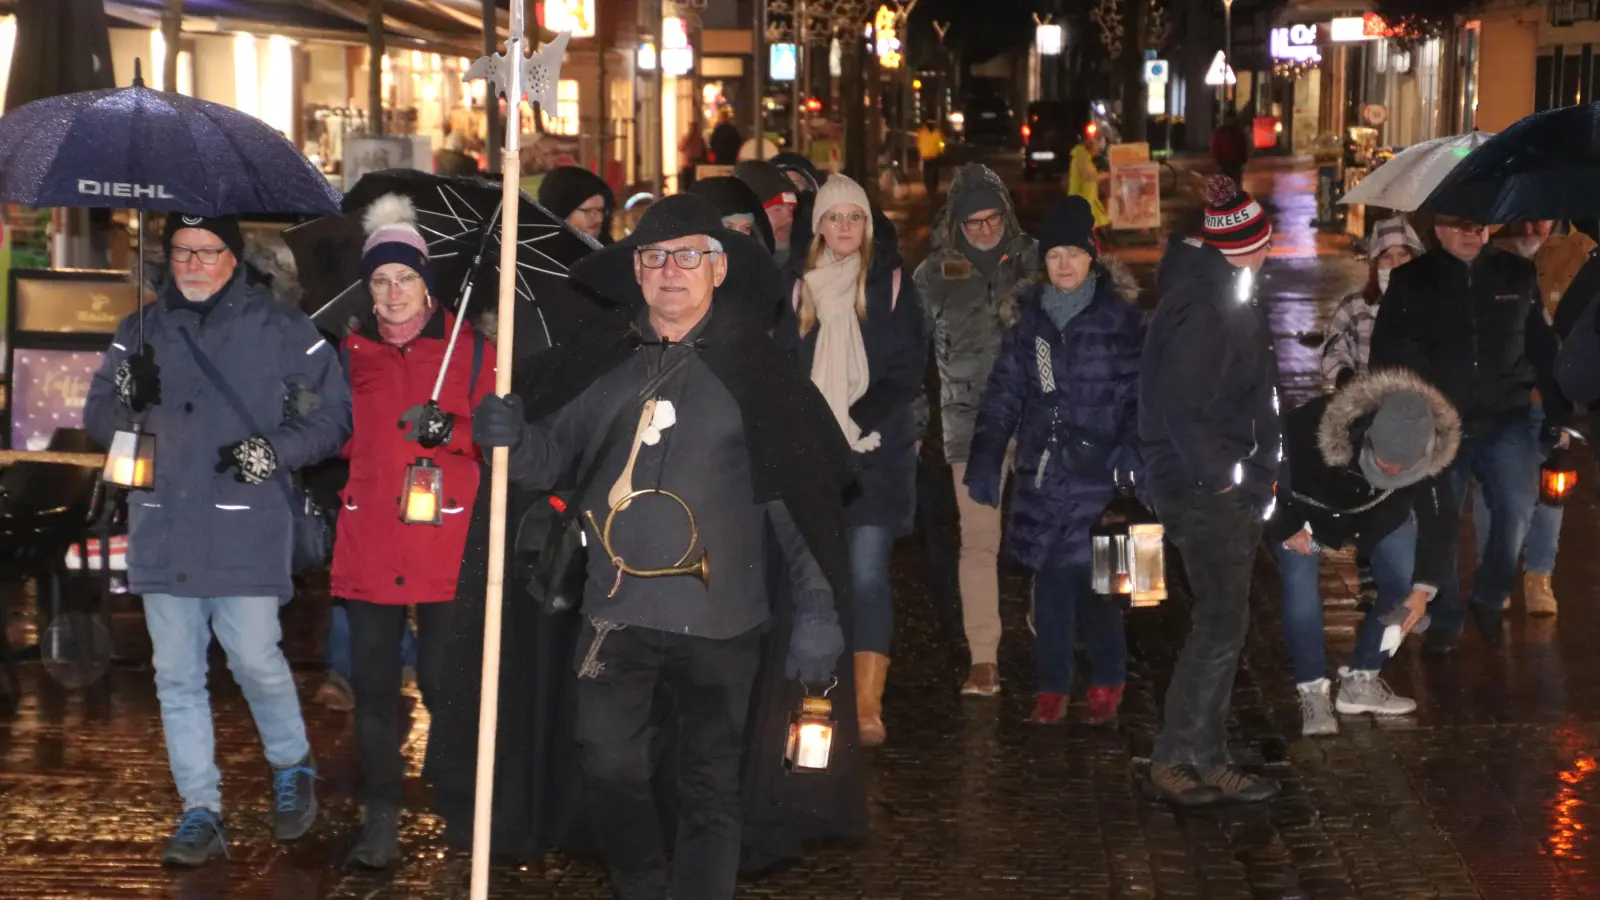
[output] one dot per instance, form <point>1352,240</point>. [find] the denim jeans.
<point>621,674</point>
<point>870,546</point>
<point>1063,602</point>
<point>1392,561</point>
<point>336,655</point>
<point>248,630</point>
<point>1506,462</point>
<point>1544,530</point>
<point>1217,536</point>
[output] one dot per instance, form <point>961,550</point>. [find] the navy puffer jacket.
<point>1069,397</point>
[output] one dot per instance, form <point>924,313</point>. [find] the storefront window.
<point>565,120</point>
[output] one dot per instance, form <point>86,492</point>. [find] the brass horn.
<point>700,568</point>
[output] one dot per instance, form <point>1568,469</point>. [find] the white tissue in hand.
<point>1392,636</point>
<point>663,418</point>
<point>868,443</point>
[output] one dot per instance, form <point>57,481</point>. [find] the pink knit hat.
<point>392,237</point>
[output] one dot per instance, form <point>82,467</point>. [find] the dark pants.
<point>1505,460</point>
<point>1063,602</point>
<point>710,680</point>
<point>1217,536</point>
<point>375,654</point>
<point>930,177</point>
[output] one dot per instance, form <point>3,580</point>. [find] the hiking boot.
<point>198,840</point>
<point>982,681</point>
<point>1049,709</point>
<point>1365,692</point>
<point>1181,784</point>
<point>1537,596</point>
<point>1237,784</point>
<point>336,693</point>
<point>1316,709</point>
<point>1103,704</point>
<point>379,844</point>
<point>294,795</point>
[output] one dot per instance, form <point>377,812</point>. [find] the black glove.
<point>428,425</point>
<point>499,422</point>
<point>814,645</point>
<point>138,380</point>
<point>254,458</point>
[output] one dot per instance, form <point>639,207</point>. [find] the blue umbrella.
<point>1545,166</point>
<point>135,148</point>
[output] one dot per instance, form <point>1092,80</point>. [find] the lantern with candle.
<point>1127,553</point>
<point>811,730</point>
<point>131,461</point>
<point>424,489</point>
<point>1557,477</point>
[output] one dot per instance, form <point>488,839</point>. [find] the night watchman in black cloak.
<point>713,424</point>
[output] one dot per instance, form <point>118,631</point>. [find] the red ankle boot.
<point>1103,703</point>
<point>1049,709</point>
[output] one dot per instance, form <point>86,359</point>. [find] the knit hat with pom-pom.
<point>1235,223</point>
<point>392,237</point>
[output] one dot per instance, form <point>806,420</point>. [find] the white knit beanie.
<point>840,189</point>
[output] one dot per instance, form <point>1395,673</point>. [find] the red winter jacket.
<point>377,557</point>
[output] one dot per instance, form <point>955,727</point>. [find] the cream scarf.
<point>839,363</point>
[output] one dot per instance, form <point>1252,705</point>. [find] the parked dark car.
<point>988,121</point>
<point>1053,128</point>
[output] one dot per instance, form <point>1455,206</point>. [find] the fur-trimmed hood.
<point>1344,422</point>
<point>945,235</point>
<point>1123,285</point>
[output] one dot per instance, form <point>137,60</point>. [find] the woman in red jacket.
<point>381,565</point>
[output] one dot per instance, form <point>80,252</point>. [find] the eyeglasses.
<point>593,212</point>
<point>686,258</point>
<point>406,282</point>
<point>839,220</point>
<point>208,255</point>
<point>1461,225</point>
<point>987,223</point>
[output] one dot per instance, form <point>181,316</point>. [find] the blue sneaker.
<point>198,840</point>
<point>294,795</point>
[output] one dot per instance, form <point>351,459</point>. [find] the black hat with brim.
<point>733,197</point>
<point>753,287</point>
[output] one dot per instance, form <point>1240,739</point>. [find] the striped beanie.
<point>1235,223</point>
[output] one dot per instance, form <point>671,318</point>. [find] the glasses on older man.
<point>990,222</point>
<point>405,282</point>
<point>208,255</point>
<point>686,257</point>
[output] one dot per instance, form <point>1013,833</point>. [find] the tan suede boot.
<point>871,670</point>
<point>1537,596</point>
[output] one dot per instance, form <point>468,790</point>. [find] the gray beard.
<point>194,294</point>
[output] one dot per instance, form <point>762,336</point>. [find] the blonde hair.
<point>807,314</point>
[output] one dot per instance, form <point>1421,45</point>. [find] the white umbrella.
<point>1402,183</point>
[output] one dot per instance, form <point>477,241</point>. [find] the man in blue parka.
<point>210,546</point>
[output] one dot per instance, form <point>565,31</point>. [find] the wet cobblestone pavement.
<point>1489,790</point>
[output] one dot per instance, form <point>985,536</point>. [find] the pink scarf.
<point>403,334</point>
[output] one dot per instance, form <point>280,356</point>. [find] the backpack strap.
<point>477,362</point>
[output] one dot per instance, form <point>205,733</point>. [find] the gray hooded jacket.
<point>964,308</point>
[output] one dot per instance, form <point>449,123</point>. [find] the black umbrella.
<point>1545,166</point>
<point>459,218</point>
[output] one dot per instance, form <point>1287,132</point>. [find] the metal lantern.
<point>1129,560</point>
<point>423,492</point>
<point>1557,478</point>
<point>811,730</point>
<point>131,461</point>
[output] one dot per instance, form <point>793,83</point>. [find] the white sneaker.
<point>1316,709</point>
<point>1364,692</point>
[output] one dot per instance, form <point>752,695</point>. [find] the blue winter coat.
<point>201,533</point>
<point>1069,398</point>
<point>896,358</point>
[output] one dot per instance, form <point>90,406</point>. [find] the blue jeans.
<point>1063,602</point>
<point>1544,531</point>
<point>248,630</point>
<point>336,656</point>
<point>873,613</point>
<point>1392,560</point>
<point>1506,462</point>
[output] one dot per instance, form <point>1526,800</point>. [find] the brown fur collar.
<point>1364,395</point>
